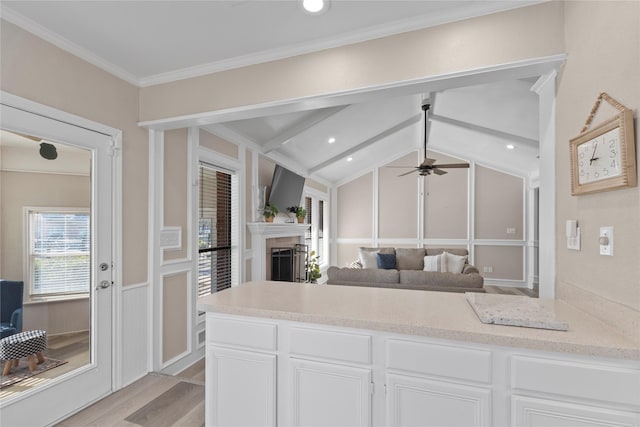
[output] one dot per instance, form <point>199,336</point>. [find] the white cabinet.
<point>327,394</point>
<point>240,388</point>
<point>437,385</point>
<point>266,372</point>
<point>425,403</point>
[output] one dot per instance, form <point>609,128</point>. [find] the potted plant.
<point>299,212</point>
<point>313,268</point>
<point>269,212</point>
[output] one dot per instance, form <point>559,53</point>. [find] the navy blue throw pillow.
<point>386,261</point>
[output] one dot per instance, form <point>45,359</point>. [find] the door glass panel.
<point>45,258</point>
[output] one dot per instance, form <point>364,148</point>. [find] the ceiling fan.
<point>428,165</point>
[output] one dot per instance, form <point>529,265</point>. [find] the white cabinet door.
<point>240,388</point>
<point>326,394</point>
<point>532,412</point>
<point>419,402</point>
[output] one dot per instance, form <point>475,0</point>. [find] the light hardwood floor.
<point>509,290</point>
<point>156,400</point>
<point>73,348</point>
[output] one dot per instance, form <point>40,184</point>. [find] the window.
<point>314,236</point>
<point>214,231</point>
<point>59,251</point>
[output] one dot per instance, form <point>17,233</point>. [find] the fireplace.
<point>261,232</point>
<point>288,264</point>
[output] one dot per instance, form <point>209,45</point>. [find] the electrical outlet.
<point>511,230</point>
<point>488,269</point>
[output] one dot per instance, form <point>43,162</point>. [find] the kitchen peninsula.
<point>302,354</point>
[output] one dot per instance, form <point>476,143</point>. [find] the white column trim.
<point>545,87</point>
<point>156,219</point>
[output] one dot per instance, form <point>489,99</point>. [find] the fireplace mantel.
<point>260,232</point>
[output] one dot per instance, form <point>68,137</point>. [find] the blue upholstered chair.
<point>10,307</point>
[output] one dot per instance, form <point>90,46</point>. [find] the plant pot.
<point>300,220</point>
<point>268,219</point>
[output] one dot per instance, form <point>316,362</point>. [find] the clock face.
<point>599,158</point>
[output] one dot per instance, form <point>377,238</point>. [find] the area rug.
<point>22,372</point>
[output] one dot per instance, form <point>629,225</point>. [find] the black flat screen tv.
<point>286,189</point>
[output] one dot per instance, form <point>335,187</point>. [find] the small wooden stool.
<point>29,344</point>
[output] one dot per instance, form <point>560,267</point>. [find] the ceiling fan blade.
<point>427,162</point>
<point>407,173</point>
<point>400,167</point>
<point>453,165</point>
<point>438,171</point>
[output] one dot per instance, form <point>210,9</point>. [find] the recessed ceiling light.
<point>331,140</point>
<point>314,7</point>
<point>349,159</point>
<point>511,146</point>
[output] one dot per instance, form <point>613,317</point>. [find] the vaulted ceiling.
<point>150,42</point>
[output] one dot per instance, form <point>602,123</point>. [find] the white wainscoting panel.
<point>135,332</point>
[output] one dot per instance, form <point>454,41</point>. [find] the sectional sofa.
<point>404,268</point>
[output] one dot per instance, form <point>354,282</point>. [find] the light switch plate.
<point>606,241</point>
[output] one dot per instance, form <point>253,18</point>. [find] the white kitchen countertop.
<point>442,315</point>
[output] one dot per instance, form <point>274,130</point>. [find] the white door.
<point>92,378</point>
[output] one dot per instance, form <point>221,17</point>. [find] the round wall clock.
<point>604,158</point>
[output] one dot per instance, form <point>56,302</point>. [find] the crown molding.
<point>55,39</point>
<point>473,10</point>
<point>370,33</point>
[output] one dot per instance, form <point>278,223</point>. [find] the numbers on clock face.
<point>599,158</point>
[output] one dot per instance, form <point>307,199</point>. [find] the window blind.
<point>214,231</point>
<point>308,205</point>
<point>320,229</point>
<point>59,255</point>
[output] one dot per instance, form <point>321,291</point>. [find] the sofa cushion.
<point>381,250</point>
<point>410,258</point>
<point>455,263</point>
<point>435,263</point>
<point>338,275</point>
<point>386,261</point>
<point>368,259</point>
<point>354,264</point>
<point>433,279</point>
<point>455,251</point>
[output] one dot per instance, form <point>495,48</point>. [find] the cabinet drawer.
<point>338,346</point>
<point>581,380</point>
<point>242,333</point>
<point>532,412</point>
<point>440,360</point>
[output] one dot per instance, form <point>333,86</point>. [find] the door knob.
<point>103,285</point>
